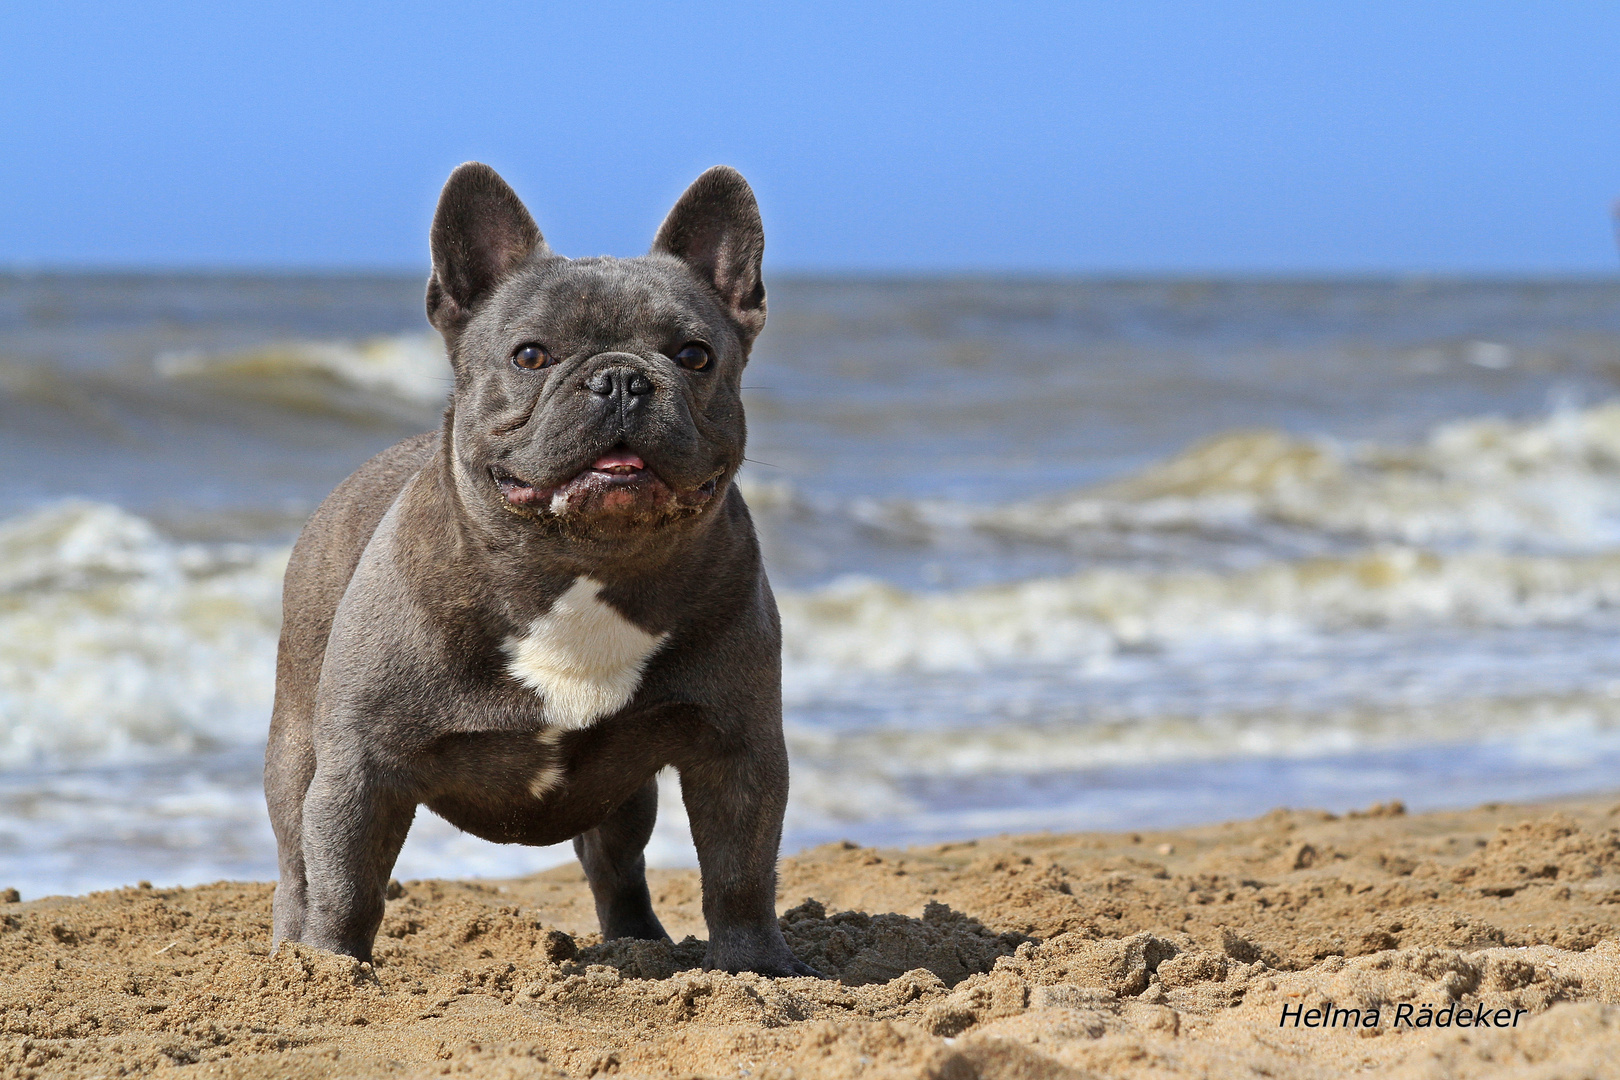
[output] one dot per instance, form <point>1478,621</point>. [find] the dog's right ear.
<point>481,233</point>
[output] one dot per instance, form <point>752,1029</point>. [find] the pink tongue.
<point>619,459</point>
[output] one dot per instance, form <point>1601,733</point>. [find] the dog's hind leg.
<point>289,764</point>
<point>616,866</point>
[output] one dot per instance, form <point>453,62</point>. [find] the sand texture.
<point>1162,954</point>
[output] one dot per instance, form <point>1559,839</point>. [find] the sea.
<point>1051,553</point>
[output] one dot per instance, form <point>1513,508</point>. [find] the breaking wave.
<point>118,642</point>
<point>1549,484</point>
<point>406,373</point>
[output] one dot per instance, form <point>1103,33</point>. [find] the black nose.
<point>620,382</point>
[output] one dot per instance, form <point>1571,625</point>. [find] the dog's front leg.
<point>353,829</point>
<point>735,802</point>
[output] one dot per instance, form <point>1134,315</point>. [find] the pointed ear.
<point>481,233</point>
<point>715,229</point>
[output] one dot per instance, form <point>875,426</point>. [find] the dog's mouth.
<point>619,466</point>
<point>617,482</point>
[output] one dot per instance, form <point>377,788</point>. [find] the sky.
<point>1141,137</point>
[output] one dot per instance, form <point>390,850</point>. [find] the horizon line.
<point>27,269</point>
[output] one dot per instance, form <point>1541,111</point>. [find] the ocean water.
<point>1051,554</point>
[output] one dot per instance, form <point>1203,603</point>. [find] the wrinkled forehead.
<point>605,302</point>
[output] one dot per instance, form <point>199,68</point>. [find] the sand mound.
<point>1492,932</point>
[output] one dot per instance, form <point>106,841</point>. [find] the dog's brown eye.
<point>694,356</point>
<point>530,356</point>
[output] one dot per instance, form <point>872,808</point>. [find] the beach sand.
<point>1088,954</point>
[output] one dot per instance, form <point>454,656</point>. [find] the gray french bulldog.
<point>519,619</point>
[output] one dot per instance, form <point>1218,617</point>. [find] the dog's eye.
<point>530,356</point>
<point>694,356</point>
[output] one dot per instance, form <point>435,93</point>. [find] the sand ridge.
<point>1166,954</point>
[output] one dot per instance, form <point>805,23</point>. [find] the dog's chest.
<point>582,657</point>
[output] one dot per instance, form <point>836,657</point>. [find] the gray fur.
<point>413,585</point>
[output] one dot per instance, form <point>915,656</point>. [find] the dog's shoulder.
<point>337,533</point>
<point>322,562</point>
<point>324,558</point>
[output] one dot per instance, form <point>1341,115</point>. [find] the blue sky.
<point>1090,137</point>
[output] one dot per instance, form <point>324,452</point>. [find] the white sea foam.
<point>116,643</point>
<point>1534,725</point>
<point>116,639</point>
<point>1084,618</point>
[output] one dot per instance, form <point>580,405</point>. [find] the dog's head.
<point>596,397</point>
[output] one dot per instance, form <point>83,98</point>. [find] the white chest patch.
<point>582,657</point>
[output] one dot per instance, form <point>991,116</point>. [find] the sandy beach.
<point>1197,952</point>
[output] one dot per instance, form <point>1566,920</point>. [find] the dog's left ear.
<point>481,233</point>
<point>715,229</point>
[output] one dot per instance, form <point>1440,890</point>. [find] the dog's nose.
<point>624,382</point>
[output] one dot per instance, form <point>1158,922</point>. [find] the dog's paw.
<point>763,951</point>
